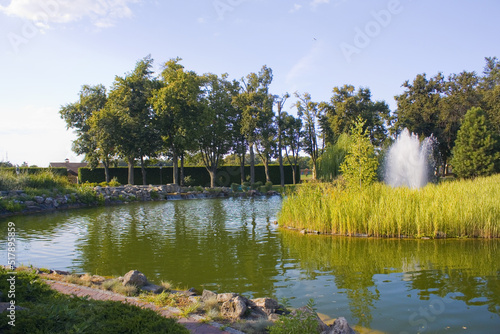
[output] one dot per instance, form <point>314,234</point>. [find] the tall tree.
<point>176,103</point>
<point>309,111</point>
<point>360,165</point>
<point>346,105</point>
<point>129,97</point>
<point>292,137</point>
<point>215,121</point>
<point>475,151</point>
<point>280,103</point>
<point>255,103</point>
<point>77,115</point>
<point>490,89</point>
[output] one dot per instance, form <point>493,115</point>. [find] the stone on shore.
<point>135,277</point>
<point>234,308</point>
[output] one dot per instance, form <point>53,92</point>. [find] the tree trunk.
<point>182,171</point>
<point>143,171</point>
<point>130,161</point>
<point>242,167</point>
<point>294,171</point>
<point>252,165</point>
<point>212,172</point>
<point>266,169</point>
<point>175,176</point>
<point>106,171</point>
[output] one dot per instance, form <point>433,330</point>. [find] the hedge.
<point>199,176</point>
<point>62,171</point>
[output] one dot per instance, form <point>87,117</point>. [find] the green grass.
<point>52,312</point>
<point>41,180</point>
<point>461,208</point>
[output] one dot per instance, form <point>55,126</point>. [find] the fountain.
<point>409,161</point>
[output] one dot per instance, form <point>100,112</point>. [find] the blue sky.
<point>50,48</point>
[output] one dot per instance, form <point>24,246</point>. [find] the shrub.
<point>303,322</point>
<point>269,185</point>
<point>256,185</point>
<point>245,186</point>
<point>235,187</point>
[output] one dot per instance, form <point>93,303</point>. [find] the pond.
<point>232,245</point>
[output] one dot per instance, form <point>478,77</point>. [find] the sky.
<point>50,48</point>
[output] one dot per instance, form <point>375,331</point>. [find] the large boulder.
<point>234,308</point>
<point>135,277</point>
<point>207,295</point>
<point>340,326</point>
<point>224,297</point>
<point>267,305</point>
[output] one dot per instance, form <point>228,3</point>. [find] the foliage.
<point>346,106</point>
<point>360,164</point>
<point>303,322</point>
<point>51,312</point>
<point>462,208</point>
<point>475,151</point>
<point>44,178</point>
<point>330,161</point>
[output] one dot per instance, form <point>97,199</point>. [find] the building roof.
<point>72,167</point>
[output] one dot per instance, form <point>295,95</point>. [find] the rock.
<point>234,308</point>
<point>224,297</point>
<point>135,277</point>
<point>60,272</point>
<point>273,317</point>
<point>303,312</point>
<point>267,305</point>
<point>39,199</point>
<point>49,200</point>
<point>152,288</point>
<point>340,326</point>
<point>29,203</point>
<point>207,294</point>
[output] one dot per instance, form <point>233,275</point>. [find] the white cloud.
<point>102,13</point>
<point>296,7</point>
<point>316,3</point>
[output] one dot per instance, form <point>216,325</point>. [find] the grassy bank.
<point>50,312</point>
<point>463,208</point>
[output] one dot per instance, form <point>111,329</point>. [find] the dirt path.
<point>192,323</point>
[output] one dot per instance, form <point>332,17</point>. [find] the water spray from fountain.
<point>409,161</point>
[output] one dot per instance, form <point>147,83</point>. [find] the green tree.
<point>291,130</point>
<point>280,103</point>
<point>346,105</point>
<point>255,104</point>
<point>360,164</point>
<point>490,89</point>
<point>129,97</point>
<point>475,151</point>
<point>309,111</point>
<point>176,102</point>
<point>334,155</point>
<point>78,115</point>
<point>213,129</point>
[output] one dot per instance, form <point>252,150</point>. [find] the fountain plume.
<point>409,161</point>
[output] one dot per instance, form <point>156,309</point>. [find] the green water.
<point>231,245</point>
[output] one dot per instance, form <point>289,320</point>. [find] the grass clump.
<point>461,208</point>
<point>52,312</point>
<point>42,180</point>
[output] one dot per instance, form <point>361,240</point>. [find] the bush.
<point>256,185</point>
<point>245,186</point>
<point>303,322</point>
<point>269,186</point>
<point>235,187</point>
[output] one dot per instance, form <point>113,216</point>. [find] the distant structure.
<point>72,167</point>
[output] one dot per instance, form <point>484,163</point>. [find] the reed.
<point>461,208</point>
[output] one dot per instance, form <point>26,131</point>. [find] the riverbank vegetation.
<point>47,311</point>
<point>460,208</point>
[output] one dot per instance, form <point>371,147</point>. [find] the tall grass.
<point>42,180</point>
<point>464,208</point>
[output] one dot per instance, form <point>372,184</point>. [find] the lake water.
<point>232,245</point>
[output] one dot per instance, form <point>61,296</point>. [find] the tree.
<point>332,158</point>
<point>78,115</point>
<point>255,104</point>
<point>176,102</point>
<point>292,136</point>
<point>346,105</point>
<point>360,164</point>
<point>475,151</point>
<point>214,126</point>
<point>309,110</point>
<point>129,97</point>
<point>490,89</point>
<point>280,102</point>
